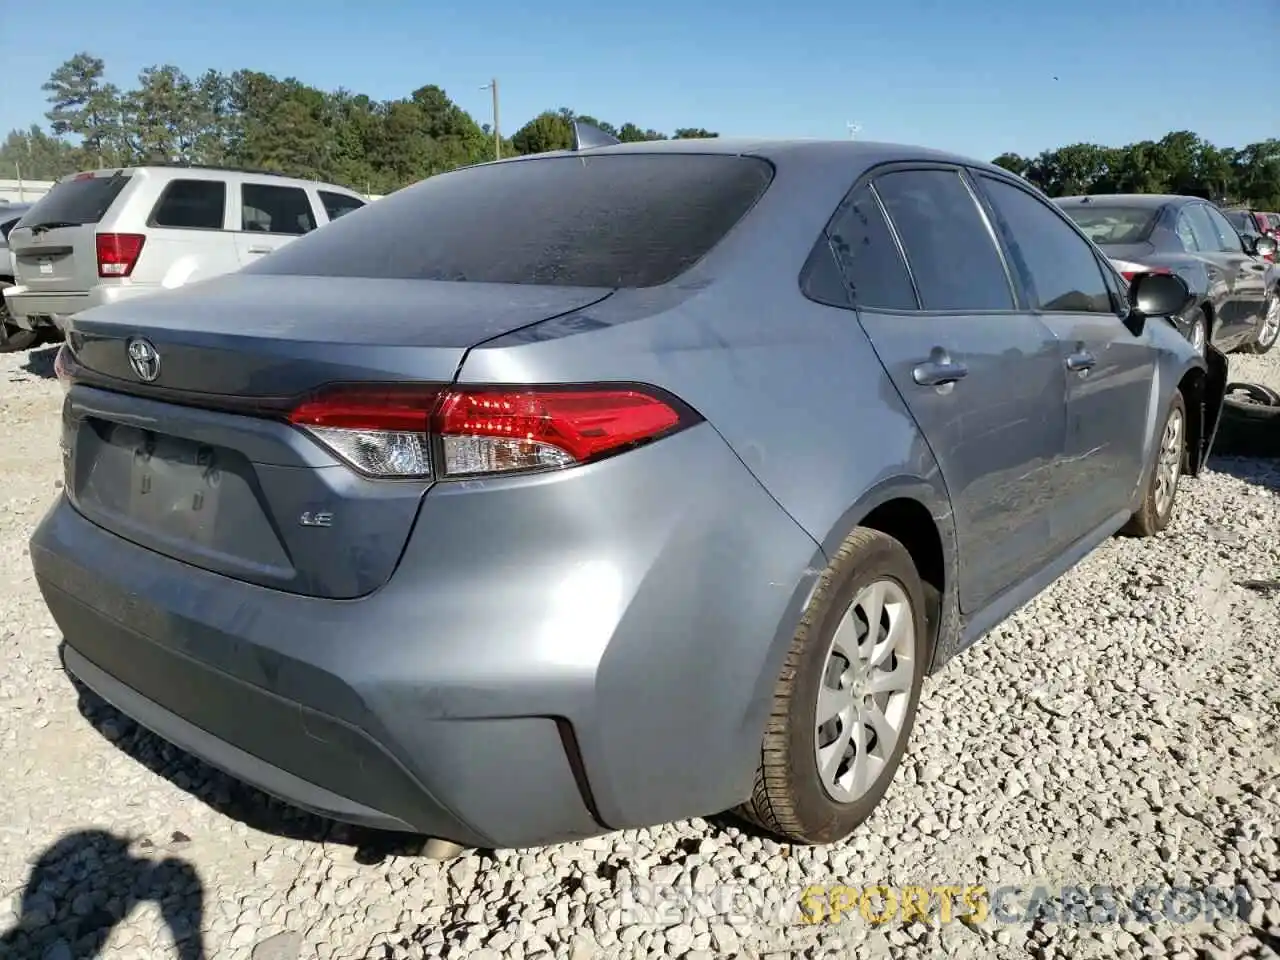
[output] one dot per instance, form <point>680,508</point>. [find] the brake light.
<point>62,368</point>
<point>1130,274</point>
<point>418,431</point>
<point>118,253</point>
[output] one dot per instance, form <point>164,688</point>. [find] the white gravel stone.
<point>1121,730</point>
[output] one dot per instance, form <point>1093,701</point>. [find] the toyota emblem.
<point>144,359</point>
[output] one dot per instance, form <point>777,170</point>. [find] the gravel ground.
<point>1121,731</point>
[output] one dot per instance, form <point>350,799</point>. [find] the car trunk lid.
<point>199,464</point>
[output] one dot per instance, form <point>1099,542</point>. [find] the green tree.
<point>547,131</point>
<point>83,105</point>
<point>693,133</point>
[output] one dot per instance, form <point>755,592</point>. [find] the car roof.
<point>846,155</point>
<point>201,172</point>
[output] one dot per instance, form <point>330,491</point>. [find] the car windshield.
<point>1240,220</point>
<point>626,220</point>
<point>1112,225</point>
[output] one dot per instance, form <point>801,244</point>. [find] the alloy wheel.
<point>865,691</point>
<point>1270,323</point>
<point>1169,464</point>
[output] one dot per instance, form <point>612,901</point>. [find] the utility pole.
<point>853,130</point>
<point>492,86</point>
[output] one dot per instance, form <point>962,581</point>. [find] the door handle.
<point>259,249</point>
<point>1080,362</point>
<point>936,373</point>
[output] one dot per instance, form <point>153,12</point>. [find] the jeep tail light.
<point>118,253</point>
<point>416,431</point>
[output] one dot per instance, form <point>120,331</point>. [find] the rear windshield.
<point>76,202</point>
<point>631,220</point>
<point>1105,225</point>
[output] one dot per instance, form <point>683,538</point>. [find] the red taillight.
<point>62,367</point>
<point>1130,274</point>
<point>401,431</point>
<point>83,176</point>
<point>118,253</point>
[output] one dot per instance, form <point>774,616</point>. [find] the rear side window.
<point>192,205</point>
<point>1228,237</point>
<point>75,202</point>
<point>336,204</point>
<point>628,220</point>
<point>952,255</point>
<point>1056,265</point>
<point>869,258</point>
<point>271,209</point>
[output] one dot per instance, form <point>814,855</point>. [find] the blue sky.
<point>975,78</point>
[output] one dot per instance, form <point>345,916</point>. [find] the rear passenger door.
<point>981,377</point>
<point>187,239</point>
<point>270,216</point>
<point>1110,372</point>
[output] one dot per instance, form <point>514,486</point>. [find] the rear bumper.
<point>32,309</point>
<point>556,657</point>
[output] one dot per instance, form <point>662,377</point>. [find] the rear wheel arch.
<point>913,513</point>
<point>1202,390</point>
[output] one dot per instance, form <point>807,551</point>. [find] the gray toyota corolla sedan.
<point>607,487</point>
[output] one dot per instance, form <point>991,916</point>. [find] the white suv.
<point>106,235</point>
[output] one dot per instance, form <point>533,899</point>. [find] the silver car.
<point>607,487</point>
<point>11,337</point>
<point>110,235</point>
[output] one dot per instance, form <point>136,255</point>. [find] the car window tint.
<point>272,209</point>
<point>621,220</point>
<point>1107,224</point>
<point>191,204</point>
<point>952,256</point>
<point>1055,264</point>
<point>336,204</point>
<point>1207,239</point>
<point>1182,227</point>
<point>1228,237</point>
<point>83,199</point>
<point>1116,289</point>
<point>869,258</point>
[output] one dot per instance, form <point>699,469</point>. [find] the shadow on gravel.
<point>40,362</point>
<point>1260,471</point>
<point>88,882</point>
<point>228,796</point>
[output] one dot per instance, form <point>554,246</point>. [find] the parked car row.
<point>1235,287</point>
<point>106,236</point>
<point>526,475</point>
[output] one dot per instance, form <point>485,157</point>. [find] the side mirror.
<point>1264,247</point>
<point>1158,294</point>
<point>1250,244</point>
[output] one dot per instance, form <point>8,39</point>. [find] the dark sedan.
<point>1236,304</point>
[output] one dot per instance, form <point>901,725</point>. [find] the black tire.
<point>12,337</point>
<point>1267,338</point>
<point>788,798</point>
<point>1150,519</point>
<point>1250,422</point>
